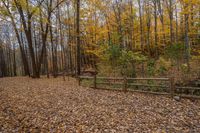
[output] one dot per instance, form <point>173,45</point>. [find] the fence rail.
<point>124,82</point>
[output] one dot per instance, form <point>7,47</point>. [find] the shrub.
<point>151,67</point>
<point>175,51</point>
<point>163,65</point>
<point>127,62</point>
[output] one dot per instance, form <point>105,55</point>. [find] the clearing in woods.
<point>42,105</point>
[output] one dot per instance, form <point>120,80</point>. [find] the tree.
<point>26,22</point>
<point>78,37</point>
<point>54,37</point>
<point>23,55</point>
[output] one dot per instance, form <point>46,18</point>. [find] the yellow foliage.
<point>164,63</point>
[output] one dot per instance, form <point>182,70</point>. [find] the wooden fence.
<point>126,83</point>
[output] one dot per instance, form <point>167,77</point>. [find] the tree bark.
<point>78,36</point>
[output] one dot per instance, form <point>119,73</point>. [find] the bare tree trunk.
<point>187,45</point>
<point>155,28</point>
<point>14,61</point>
<point>23,53</point>
<point>176,40</point>
<point>78,36</point>
<point>161,14</point>
<point>63,60</point>
<point>3,65</point>
<point>171,22</point>
<point>141,32</point>
<point>54,60</point>
<point>119,23</point>
<point>148,26</point>
<point>132,42</point>
<point>141,24</point>
<point>69,41</point>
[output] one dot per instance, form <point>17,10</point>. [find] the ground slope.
<point>42,105</point>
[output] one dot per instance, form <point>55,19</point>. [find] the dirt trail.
<point>53,105</point>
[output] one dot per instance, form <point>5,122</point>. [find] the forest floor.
<point>54,105</point>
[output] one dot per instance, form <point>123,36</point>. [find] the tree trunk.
<point>187,45</point>
<point>78,36</point>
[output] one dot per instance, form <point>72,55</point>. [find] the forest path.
<point>42,105</point>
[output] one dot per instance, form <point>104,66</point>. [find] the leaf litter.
<point>54,105</point>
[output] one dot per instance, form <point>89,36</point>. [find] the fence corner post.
<point>172,86</point>
<point>125,83</point>
<point>95,83</point>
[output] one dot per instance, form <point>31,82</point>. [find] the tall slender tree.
<point>78,37</point>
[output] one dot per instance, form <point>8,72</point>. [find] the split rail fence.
<point>165,86</point>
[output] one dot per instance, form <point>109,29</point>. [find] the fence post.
<point>95,83</point>
<point>172,86</point>
<point>125,84</point>
<point>79,80</point>
<point>64,76</point>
